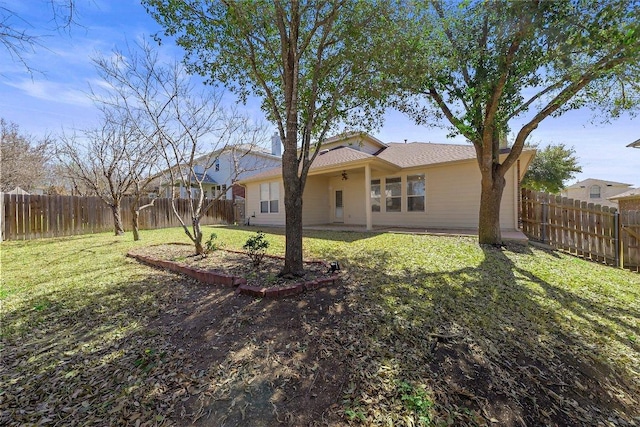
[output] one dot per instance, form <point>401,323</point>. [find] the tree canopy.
<point>314,63</point>
<point>551,168</point>
<point>491,69</point>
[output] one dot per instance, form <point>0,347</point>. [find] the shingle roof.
<point>339,156</point>
<point>425,153</point>
<point>629,194</point>
<point>335,157</point>
<point>204,178</point>
<point>399,154</point>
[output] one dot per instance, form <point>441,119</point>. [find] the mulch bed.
<point>235,263</point>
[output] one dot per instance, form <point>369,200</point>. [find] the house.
<point>219,170</point>
<point>357,179</point>
<point>628,201</point>
<point>595,191</point>
<point>635,144</point>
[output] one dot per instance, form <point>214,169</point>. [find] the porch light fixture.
<point>344,176</point>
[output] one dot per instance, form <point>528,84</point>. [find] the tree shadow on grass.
<point>77,358</point>
<point>166,350</point>
<point>494,342</point>
<point>490,340</point>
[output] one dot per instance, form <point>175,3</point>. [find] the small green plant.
<point>149,358</point>
<point>256,247</point>
<point>416,400</point>
<point>354,414</point>
<point>212,245</point>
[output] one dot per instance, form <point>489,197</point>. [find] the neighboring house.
<point>628,201</point>
<point>595,191</point>
<point>635,144</point>
<point>229,165</point>
<point>358,180</point>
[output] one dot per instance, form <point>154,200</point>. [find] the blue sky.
<point>54,97</point>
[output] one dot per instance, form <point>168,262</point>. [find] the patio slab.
<point>515,236</point>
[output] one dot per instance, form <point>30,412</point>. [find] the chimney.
<point>276,145</point>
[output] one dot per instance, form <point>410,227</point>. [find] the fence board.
<point>587,230</point>
<point>34,216</point>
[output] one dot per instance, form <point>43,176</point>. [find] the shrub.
<point>256,247</point>
<point>211,244</point>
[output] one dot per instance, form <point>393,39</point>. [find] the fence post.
<point>545,217</point>
<point>616,237</point>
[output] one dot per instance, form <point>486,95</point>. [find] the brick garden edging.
<point>211,278</point>
<point>286,291</point>
<point>204,276</point>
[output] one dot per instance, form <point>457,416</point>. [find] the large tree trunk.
<point>490,199</point>
<point>117,219</point>
<point>293,215</point>
<point>293,233</point>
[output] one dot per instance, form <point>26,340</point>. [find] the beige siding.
<point>252,206</point>
<point>315,201</point>
<point>453,197</point>
<point>352,197</point>
<point>452,200</point>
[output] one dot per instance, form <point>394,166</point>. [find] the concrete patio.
<point>515,236</point>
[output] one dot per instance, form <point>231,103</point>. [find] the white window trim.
<point>270,199</point>
<point>407,195</point>
<point>391,197</point>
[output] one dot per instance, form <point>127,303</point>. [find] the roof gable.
<point>392,155</point>
<point>593,181</point>
<point>359,141</point>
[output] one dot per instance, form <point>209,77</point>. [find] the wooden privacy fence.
<point>26,217</point>
<point>595,232</point>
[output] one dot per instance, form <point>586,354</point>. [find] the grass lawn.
<point>424,330</point>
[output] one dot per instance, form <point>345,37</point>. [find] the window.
<point>269,197</point>
<point>393,194</point>
<point>375,195</point>
<point>594,192</point>
<point>217,166</point>
<point>415,193</point>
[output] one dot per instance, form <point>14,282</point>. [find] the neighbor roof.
<point>205,178</point>
<point>592,181</point>
<point>633,193</point>
<point>635,144</point>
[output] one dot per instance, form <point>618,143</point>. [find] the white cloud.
<point>66,93</point>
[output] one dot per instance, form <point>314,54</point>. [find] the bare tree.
<point>19,37</point>
<point>24,159</point>
<point>191,129</point>
<point>112,161</point>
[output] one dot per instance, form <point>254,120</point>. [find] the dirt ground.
<point>300,361</point>
<point>262,362</point>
